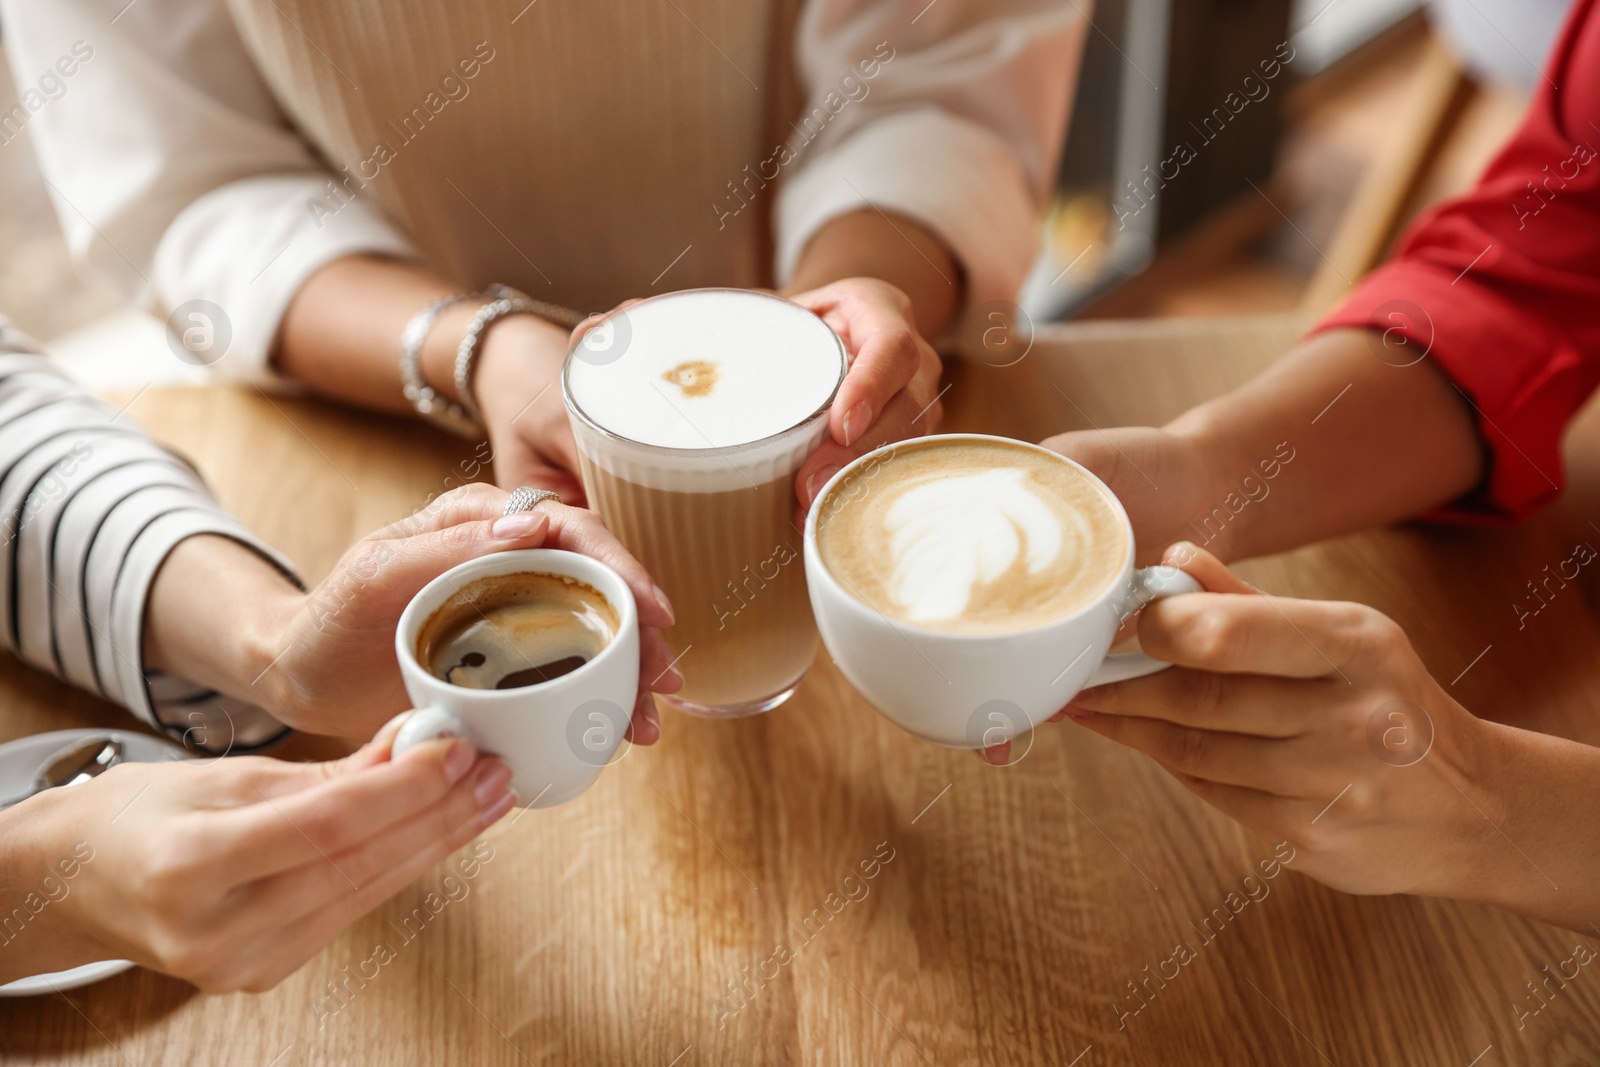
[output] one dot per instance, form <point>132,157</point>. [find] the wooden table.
<point>1010,909</point>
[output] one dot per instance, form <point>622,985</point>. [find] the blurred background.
<point>1295,183</point>
<point>1224,157</point>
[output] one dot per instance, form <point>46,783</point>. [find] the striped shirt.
<point>89,508</point>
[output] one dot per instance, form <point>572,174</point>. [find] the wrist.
<point>1467,753</point>
<point>195,630</point>
<point>262,673</point>
<point>894,248</point>
<point>1533,846</point>
<point>521,357</point>
<point>506,342</point>
<point>437,356</point>
<point>36,852</point>
<point>1216,480</point>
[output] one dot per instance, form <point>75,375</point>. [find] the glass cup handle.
<point>426,724</point>
<point>1148,583</point>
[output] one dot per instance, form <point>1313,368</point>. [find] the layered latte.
<point>692,412</point>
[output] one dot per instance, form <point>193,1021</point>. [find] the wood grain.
<point>706,902</point>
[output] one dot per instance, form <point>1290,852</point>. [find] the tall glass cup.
<point>692,411</point>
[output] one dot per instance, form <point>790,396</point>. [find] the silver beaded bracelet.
<point>464,418</point>
<point>428,401</point>
<point>507,301</point>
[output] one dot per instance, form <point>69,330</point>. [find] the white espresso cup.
<point>975,690</point>
<point>556,735</point>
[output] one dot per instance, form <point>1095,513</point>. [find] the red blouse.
<point>1501,287</point>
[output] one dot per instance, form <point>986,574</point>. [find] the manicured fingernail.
<point>817,480</point>
<point>666,605</point>
<point>1079,714</point>
<point>856,421</point>
<point>458,759</point>
<point>523,524</point>
<point>492,782</point>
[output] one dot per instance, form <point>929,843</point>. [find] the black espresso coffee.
<point>511,630</point>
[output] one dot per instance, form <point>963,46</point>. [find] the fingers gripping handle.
<point>1147,584</point>
<point>426,724</point>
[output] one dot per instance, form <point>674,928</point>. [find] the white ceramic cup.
<point>555,736</point>
<point>978,690</point>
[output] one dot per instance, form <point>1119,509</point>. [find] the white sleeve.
<point>89,509</point>
<point>174,172</point>
<point>951,112</point>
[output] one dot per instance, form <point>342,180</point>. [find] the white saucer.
<point>61,981</point>
<point>19,762</point>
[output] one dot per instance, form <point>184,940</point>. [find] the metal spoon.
<point>74,764</point>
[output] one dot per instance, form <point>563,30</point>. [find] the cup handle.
<point>1148,583</point>
<point>426,724</point>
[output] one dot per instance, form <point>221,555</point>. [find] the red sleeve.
<point>1501,287</point>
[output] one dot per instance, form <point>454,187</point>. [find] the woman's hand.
<point>891,391</point>
<point>1314,723</point>
<point>518,386</point>
<point>231,874</point>
<point>332,651</point>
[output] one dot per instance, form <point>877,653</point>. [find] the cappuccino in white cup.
<point>970,586</point>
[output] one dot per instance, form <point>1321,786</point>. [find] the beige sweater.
<point>585,152</point>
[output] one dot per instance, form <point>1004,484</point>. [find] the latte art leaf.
<point>952,535</point>
<point>972,535</point>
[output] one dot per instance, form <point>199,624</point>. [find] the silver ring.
<point>526,498</point>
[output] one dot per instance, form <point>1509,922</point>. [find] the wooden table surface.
<point>705,902</point>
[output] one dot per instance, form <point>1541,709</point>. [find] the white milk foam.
<point>707,369</point>
<point>971,535</point>
<point>948,536</point>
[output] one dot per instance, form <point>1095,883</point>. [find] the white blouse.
<point>89,509</point>
<point>584,153</point>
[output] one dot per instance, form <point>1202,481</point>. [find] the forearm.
<point>214,617</point>
<point>341,337</point>
<point>892,248</point>
<point>341,334</point>
<point>1372,443</point>
<point>1542,859</point>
